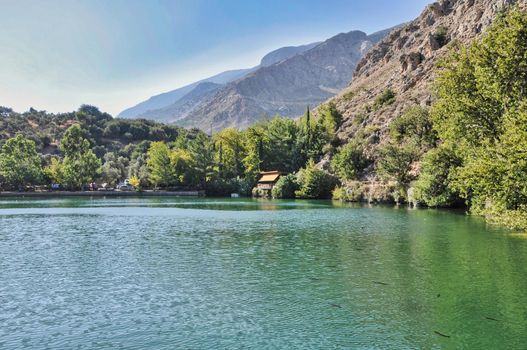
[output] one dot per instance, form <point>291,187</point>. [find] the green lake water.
<point>175,273</point>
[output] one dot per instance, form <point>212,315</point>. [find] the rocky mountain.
<point>404,64</point>
<point>285,87</point>
<point>167,106</point>
<point>184,105</point>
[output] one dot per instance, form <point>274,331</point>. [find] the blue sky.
<point>57,54</point>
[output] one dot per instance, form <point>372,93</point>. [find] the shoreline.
<point>103,194</point>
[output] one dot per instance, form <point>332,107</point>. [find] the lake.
<point>175,273</point>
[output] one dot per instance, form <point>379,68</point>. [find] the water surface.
<point>177,273</point>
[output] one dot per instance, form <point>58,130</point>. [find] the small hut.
<point>268,179</point>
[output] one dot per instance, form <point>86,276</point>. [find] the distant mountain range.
<point>285,82</point>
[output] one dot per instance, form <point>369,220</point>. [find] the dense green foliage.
<point>350,161</point>
<point>78,148</point>
<point>411,135</point>
<point>395,162</point>
<point>314,183</point>
<point>434,186</point>
<point>80,165</point>
<point>159,164</point>
<point>20,164</point>
<point>413,125</point>
<point>285,187</point>
<point>481,108</point>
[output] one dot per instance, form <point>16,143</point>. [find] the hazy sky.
<point>58,54</point>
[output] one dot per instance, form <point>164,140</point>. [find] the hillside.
<point>184,105</point>
<point>405,62</point>
<point>165,99</point>
<point>167,106</point>
<point>286,87</point>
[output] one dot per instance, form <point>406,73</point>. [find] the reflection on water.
<point>170,273</point>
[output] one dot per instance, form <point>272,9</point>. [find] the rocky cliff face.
<point>285,87</point>
<point>405,62</point>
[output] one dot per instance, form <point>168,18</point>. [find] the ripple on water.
<point>173,273</point>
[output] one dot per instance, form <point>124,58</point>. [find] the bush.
<point>433,185</point>
<point>246,185</point>
<point>386,98</point>
<point>414,123</point>
<point>285,187</point>
<point>441,35</point>
<point>339,193</point>
<point>315,183</point>
<point>222,187</point>
<point>259,193</point>
<point>350,161</point>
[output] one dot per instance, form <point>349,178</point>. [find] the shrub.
<point>354,191</point>
<point>285,187</point>
<point>414,123</point>
<point>259,193</point>
<point>348,95</point>
<point>246,185</point>
<point>387,97</point>
<point>339,193</point>
<point>441,35</point>
<point>222,187</point>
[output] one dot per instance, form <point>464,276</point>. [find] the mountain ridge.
<point>286,87</point>
<point>163,100</point>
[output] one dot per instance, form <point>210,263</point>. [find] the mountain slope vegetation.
<point>435,108</point>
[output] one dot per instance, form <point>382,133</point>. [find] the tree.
<point>282,134</point>
<point>135,182</point>
<point>434,185</point>
<point>5,111</point>
<point>285,187</point>
<point>80,165</point>
<point>159,164</point>
<point>229,143</point>
<point>139,168</point>
<point>20,165</point>
<point>331,119</point>
<point>181,162</point>
<point>315,183</point>
<point>480,82</point>
<point>114,168</point>
<point>414,124</point>
<point>55,171</point>
<point>395,162</point>
<point>74,141</point>
<point>311,139</point>
<point>201,151</point>
<point>350,161</point>
<point>255,144</point>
